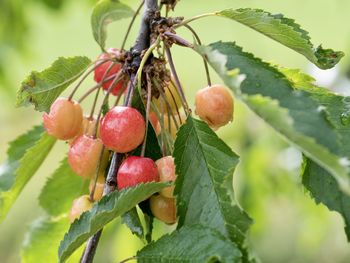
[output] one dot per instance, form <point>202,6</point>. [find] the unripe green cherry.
<point>214,105</point>
<point>163,208</point>
<point>80,205</point>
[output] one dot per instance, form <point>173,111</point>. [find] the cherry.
<point>88,128</point>
<point>100,70</point>
<point>172,96</point>
<point>64,119</point>
<point>166,170</point>
<point>84,154</point>
<point>100,184</point>
<point>80,205</point>
<point>122,129</point>
<point>163,208</point>
<point>135,170</point>
<point>214,104</point>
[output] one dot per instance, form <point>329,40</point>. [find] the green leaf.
<point>42,88</point>
<point>60,190</point>
<point>285,31</point>
<point>110,207</point>
<point>204,192</point>
<point>325,189</point>
<point>105,12</point>
<point>307,116</point>
<point>132,220</point>
<point>25,155</point>
<point>191,244</point>
<point>42,240</point>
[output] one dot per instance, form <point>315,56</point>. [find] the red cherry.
<point>84,154</point>
<point>64,120</point>
<point>135,170</point>
<point>101,70</point>
<point>122,129</point>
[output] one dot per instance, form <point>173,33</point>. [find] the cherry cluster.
<point>122,129</point>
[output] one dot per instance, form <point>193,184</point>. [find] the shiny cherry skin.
<point>215,105</point>
<point>135,170</point>
<point>64,120</point>
<point>166,170</point>
<point>122,129</point>
<point>84,154</point>
<point>163,208</point>
<point>80,205</point>
<point>103,67</point>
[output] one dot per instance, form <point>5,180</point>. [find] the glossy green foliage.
<point>24,157</point>
<point>191,244</point>
<point>204,192</point>
<point>286,31</point>
<point>43,88</point>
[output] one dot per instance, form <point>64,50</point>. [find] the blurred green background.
<point>289,226</point>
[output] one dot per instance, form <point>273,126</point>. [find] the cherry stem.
<point>98,168</point>
<point>131,89</point>
<point>128,259</point>
<point>204,57</point>
<point>162,94</point>
<point>131,24</point>
<point>141,43</point>
<point>97,63</point>
<point>98,91</point>
<point>148,106</point>
<point>178,40</point>
<point>120,94</point>
<point>185,22</point>
<point>143,62</point>
<point>174,100</point>
<point>176,79</point>
<point>98,85</point>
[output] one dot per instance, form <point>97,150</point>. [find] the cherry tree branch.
<point>142,42</point>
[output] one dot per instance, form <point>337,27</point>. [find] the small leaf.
<point>149,219</point>
<point>25,155</point>
<point>285,31</point>
<point>109,208</point>
<point>305,115</point>
<point>60,190</point>
<point>191,244</point>
<point>104,13</point>
<point>132,220</point>
<point>204,192</point>
<point>324,189</point>
<point>42,88</point>
<point>42,240</point>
